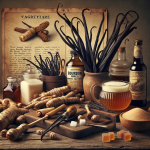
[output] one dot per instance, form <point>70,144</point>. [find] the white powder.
<point>137,114</point>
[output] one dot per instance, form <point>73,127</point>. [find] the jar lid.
<point>138,42</point>
<point>121,49</point>
<point>73,52</point>
<point>31,72</point>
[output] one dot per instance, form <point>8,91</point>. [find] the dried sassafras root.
<point>8,116</point>
<point>95,118</point>
<point>39,131</point>
<point>28,34</point>
<point>3,133</point>
<point>20,119</point>
<point>53,136</point>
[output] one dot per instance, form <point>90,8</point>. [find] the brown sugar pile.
<point>137,114</point>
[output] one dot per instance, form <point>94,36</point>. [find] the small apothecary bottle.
<point>75,72</point>
<point>12,90</point>
<point>119,69</point>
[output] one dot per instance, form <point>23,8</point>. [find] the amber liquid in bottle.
<point>119,69</point>
<point>138,77</point>
<point>124,78</point>
<point>12,90</point>
<point>75,72</point>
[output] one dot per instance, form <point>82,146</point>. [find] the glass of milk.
<point>30,85</point>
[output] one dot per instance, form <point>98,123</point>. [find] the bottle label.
<point>137,51</point>
<point>138,85</point>
<point>75,78</point>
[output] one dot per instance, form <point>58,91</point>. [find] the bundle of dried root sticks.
<point>93,59</point>
<point>55,97</point>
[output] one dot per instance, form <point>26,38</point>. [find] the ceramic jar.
<point>91,78</point>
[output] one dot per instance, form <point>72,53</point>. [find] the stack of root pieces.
<point>10,111</point>
<point>55,97</point>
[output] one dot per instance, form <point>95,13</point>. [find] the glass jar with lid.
<point>119,69</point>
<point>31,84</point>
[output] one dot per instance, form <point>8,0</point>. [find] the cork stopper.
<point>121,49</point>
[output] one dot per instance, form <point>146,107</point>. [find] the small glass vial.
<point>75,72</point>
<point>119,69</point>
<point>12,90</point>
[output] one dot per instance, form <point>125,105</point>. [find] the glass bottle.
<point>138,77</point>
<point>119,69</point>
<point>30,85</point>
<point>75,72</point>
<point>12,90</point>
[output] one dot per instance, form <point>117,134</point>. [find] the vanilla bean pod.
<point>79,54</point>
<point>93,60</point>
<point>111,53</point>
<point>81,44</point>
<point>91,33</point>
<point>43,70</point>
<point>88,41</point>
<point>112,38</point>
<point>33,64</point>
<point>61,35</point>
<point>81,47</point>
<point>74,29</point>
<point>85,64</point>
<point>48,64</point>
<point>97,37</point>
<point>104,65</point>
<point>70,40</point>
<point>98,47</point>
<point>44,66</point>
<point>51,63</point>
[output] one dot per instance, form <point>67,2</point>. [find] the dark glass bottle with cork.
<point>75,72</point>
<point>138,77</point>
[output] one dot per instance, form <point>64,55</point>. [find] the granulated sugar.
<point>137,114</point>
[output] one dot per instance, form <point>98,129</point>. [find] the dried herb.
<point>93,59</point>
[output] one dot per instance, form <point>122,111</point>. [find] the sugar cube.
<point>105,137</point>
<point>73,124</point>
<point>127,136</point>
<point>112,135</point>
<point>82,122</point>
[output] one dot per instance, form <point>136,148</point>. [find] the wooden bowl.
<point>135,126</point>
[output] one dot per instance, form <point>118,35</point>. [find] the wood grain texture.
<point>30,140</point>
<point>65,129</point>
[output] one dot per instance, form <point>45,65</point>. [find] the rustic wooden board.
<point>65,129</point>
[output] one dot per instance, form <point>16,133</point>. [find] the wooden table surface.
<point>30,140</point>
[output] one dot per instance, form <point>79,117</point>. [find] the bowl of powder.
<point>136,119</point>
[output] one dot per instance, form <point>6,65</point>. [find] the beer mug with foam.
<point>115,95</point>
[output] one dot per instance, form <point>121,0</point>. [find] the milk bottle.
<point>30,85</point>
